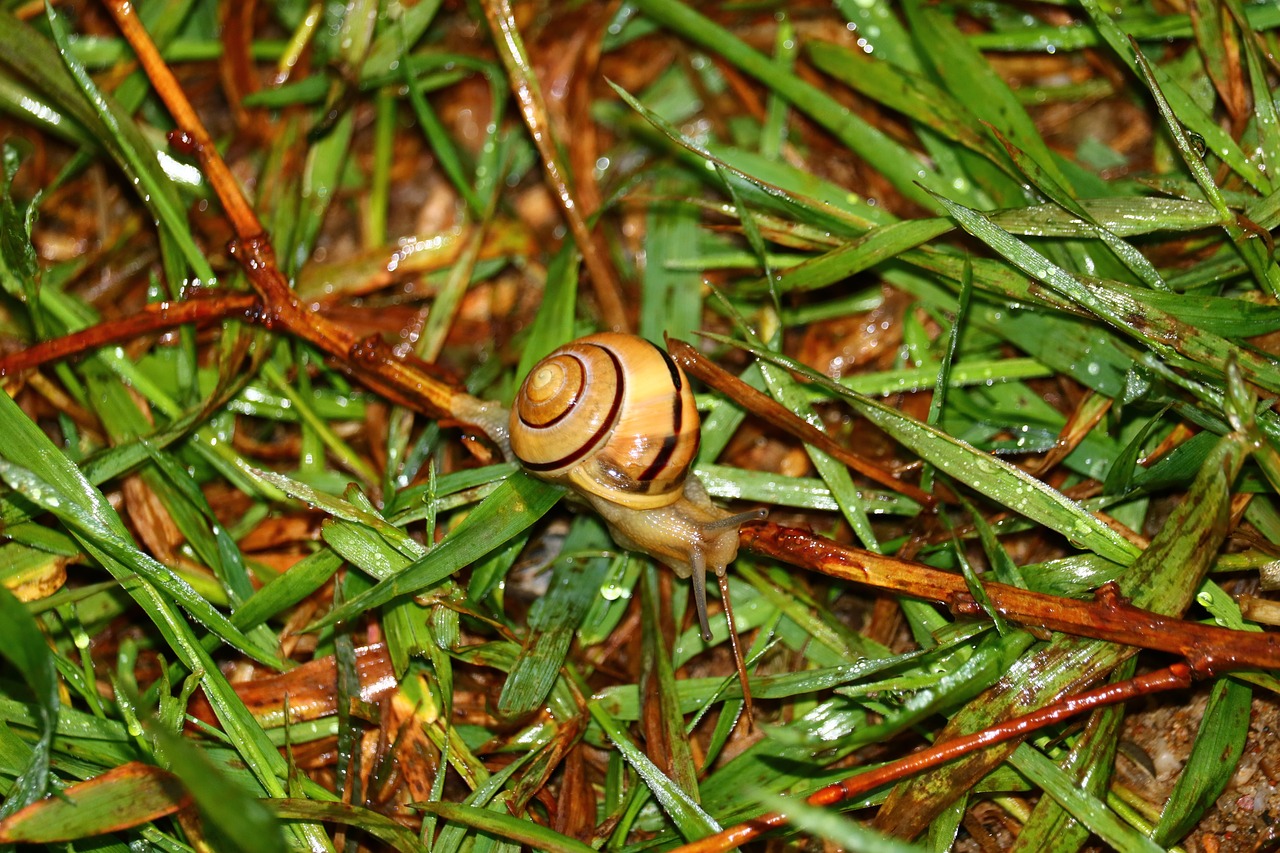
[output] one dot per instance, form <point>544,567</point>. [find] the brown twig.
<point>156,317</point>
<point>534,110</point>
<point>1175,677</point>
<point>1207,648</point>
<point>236,67</point>
<point>371,360</point>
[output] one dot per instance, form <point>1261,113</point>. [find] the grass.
<point>266,589</point>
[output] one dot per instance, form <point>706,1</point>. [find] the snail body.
<point>612,417</point>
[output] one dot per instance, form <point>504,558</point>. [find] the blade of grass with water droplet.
<point>110,126</point>
<point>1184,105</point>
<point>1124,217</point>
<point>1256,256</point>
<point>998,480</point>
<point>683,809</point>
<point>506,826</point>
<point>903,168</point>
<point>555,618</point>
<point>876,246</point>
<point>1125,309</point>
<point>1046,181</point>
<point>235,820</point>
<point>1214,757</point>
<point>1163,579</point>
<point>509,510</point>
<point>59,487</point>
<point>24,646</point>
<point>910,94</point>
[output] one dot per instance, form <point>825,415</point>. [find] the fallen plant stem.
<point>153,318</point>
<point>1208,649</point>
<point>1175,677</point>
<point>403,380</point>
<point>534,111</point>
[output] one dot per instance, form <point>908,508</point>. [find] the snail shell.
<point>612,417</point>
<point>609,415</point>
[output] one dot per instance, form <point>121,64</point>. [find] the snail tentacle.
<point>698,564</point>
<point>735,521</point>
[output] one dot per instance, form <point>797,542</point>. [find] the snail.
<point>611,417</point>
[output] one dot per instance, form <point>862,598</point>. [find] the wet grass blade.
<point>1180,102</point>
<point>555,619</point>
<point>1087,809</point>
<point>1214,757</point>
<point>123,139</point>
<point>1158,330</point>
<point>1052,827</point>
<point>23,645</point>
<point>690,819</point>
<point>60,487</point>
<point>998,480</point>
<point>661,721</point>
<point>123,797</point>
<point>1163,578</point>
<point>233,820</point>
<point>506,826</point>
<point>841,832</point>
<point>901,166</point>
<point>504,514</point>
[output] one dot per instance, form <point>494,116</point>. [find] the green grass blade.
<point>670,298</point>
<point>553,324</point>
<point>1004,483</point>
<point>508,511</point>
<point>1051,827</point>
<point>841,832</point>
<point>1161,332</point>
<point>1214,757</point>
<point>909,94</point>
<point>902,167</point>
<point>690,819</point>
<point>1087,809</point>
<point>555,619</point>
<point>123,138</point>
<point>234,820</point>
<point>661,720</point>
<point>1197,120</point>
<point>523,832</point>
<point>379,826</point>
<point>24,646</point>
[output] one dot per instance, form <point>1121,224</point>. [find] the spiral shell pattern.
<point>610,415</point>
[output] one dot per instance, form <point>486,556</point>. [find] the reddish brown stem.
<point>534,110</point>
<point>156,317</point>
<point>1207,648</point>
<point>1174,677</point>
<point>224,183</point>
<point>739,663</point>
<point>371,360</point>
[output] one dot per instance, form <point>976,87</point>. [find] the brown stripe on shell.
<point>663,456</point>
<point>568,408</point>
